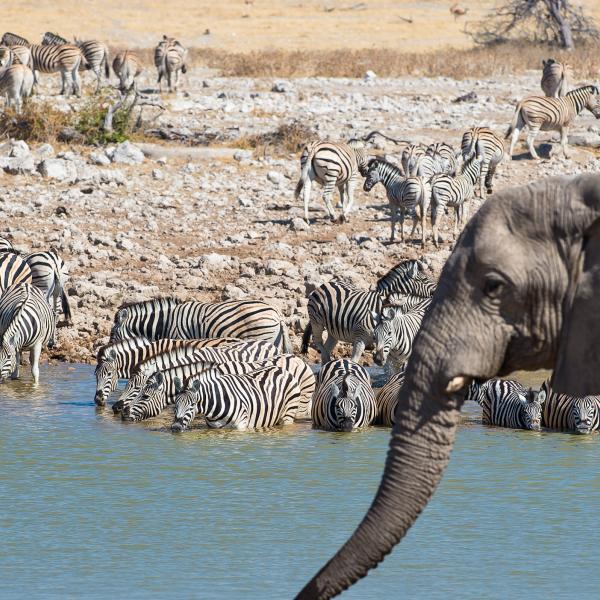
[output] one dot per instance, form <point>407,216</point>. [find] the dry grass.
<point>38,122</point>
<point>287,138</point>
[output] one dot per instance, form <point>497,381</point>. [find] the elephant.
<point>519,291</point>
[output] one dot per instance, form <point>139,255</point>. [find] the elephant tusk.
<point>456,384</point>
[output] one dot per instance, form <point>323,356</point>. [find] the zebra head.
<point>151,401</point>
<point>593,101</point>
<point>585,414</point>
<point>106,377</point>
<point>186,403</point>
<point>345,402</point>
<point>136,384</point>
<point>475,392</point>
<point>8,357</point>
<point>531,409</point>
<point>407,277</point>
<point>373,174</point>
<point>383,334</point>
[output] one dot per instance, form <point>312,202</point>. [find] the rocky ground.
<point>137,221</point>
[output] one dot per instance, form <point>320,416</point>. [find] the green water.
<point>95,508</point>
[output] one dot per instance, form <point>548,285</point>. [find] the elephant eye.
<point>493,287</point>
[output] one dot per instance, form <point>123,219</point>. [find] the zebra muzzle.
<point>177,427</point>
<point>346,425</point>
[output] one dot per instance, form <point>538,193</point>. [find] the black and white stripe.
<point>127,66</point>
<point>15,55</point>
<point>507,403</point>
<point>556,78</point>
<point>551,114</point>
<point>570,413</point>
<point>483,144</point>
<point>344,399</point>
<point>403,193</point>
<point>411,156</point>
<point>445,155</point>
<point>26,323</point>
<point>13,270</point>
<point>16,84</point>
<point>170,59</point>
<point>387,399</point>
<point>406,278</point>
<point>6,245</point>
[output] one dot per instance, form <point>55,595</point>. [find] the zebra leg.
<point>489,177</point>
<point>513,140</point>
<point>327,196</point>
<point>343,201</point>
<point>306,197</point>
<point>76,82</point>
<point>16,370</point>
<point>530,139</point>
<point>328,348</point>
<point>357,350</point>
<point>484,171</point>
<point>34,359</point>
<point>436,217</point>
<point>350,187</point>
<point>564,133</point>
<point>63,77</point>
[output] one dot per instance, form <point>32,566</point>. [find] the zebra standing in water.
<point>569,413</point>
<point>344,399</point>
<point>455,192</point>
<point>332,164</point>
<point>507,404</point>
<point>49,275</point>
<point>387,399</point>
<point>263,398</point>
<point>555,78</point>
<point>169,59</point>
<point>403,194</point>
<point>127,67</point>
<point>13,270</point>
<point>94,52</point>
<point>26,323</point>
<point>551,114</point>
<point>63,58</point>
<point>483,144</point>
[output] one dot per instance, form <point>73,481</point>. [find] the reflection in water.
<point>93,507</point>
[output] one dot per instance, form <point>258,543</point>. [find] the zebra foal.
<point>26,323</point>
<point>488,148</point>
<point>570,413</point>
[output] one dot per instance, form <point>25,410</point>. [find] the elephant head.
<point>519,291</point>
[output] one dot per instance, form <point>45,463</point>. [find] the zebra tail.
<point>305,161</point>
<point>106,64</point>
<point>66,305</point>
<point>514,122</point>
<point>306,339</point>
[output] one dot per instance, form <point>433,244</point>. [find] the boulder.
<point>58,169</point>
<point>128,154</point>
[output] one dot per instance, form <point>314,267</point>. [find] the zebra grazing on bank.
<point>394,333</point>
<point>259,399</point>
<point>172,318</point>
<point>556,77</point>
<point>49,275</point>
<point>445,155</point>
<point>26,323</point>
<point>507,403</point>
<point>570,413</point>
<point>118,360</point>
<point>191,352</point>
<point>169,59</point>
<point>333,165</point>
<point>403,194</point>
<point>16,84</point>
<point>483,144</point>
<point>551,114</point>
<point>387,399</point>
<point>127,67</point>
<point>13,270</point>
<point>454,192</point>
<point>344,399</point>
<point>94,52</point>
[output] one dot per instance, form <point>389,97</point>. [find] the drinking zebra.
<point>453,192</point>
<point>13,270</point>
<point>406,278</point>
<point>16,84</point>
<point>192,352</point>
<point>445,154</point>
<point>169,59</point>
<point>555,78</point>
<point>332,164</point>
<point>570,413</point>
<point>507,404</point>
<point>394,333</point>
<point>172,318</point>
<point>127,67</point>
<point>483,144</point>
<point>344,399</point>
<point>551,114</point>
<point>26,323</point>
<point>387,399</point>
<point>49,275</point>
<point>94,52</point>
<point>263,398</point>
<point>403,194</point>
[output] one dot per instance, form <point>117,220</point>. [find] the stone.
<point>44,151</point>
<point>280,87</point>
<point>298,224</point>
<point>18,165</point>
<point>58,169</point>
<point>128,154</point>
<point>99,158</point>
<point>241,155</point>
<point>275,177</point>
<point>369,77</point>
<point>18,149</point>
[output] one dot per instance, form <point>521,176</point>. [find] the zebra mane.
<point>157,300</point>
<point>386,164</point>
<point>12,38</point>
<point>584,88</point>
<point>10,251</point>
<point>17,314</point>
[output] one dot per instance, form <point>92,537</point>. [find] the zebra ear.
<point>158,378</point>
<point>414,269</point>
<point>375,316</point>
<point>541,396</point>
<point>523,400</point>
<point>196,385</point>
<point>389,312</point>
<point>335,391</point>
<point>178,385</point>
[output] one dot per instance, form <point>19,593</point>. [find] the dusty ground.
<point>215,228</point>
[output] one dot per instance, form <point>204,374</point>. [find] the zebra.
<point>263,398</point>
<point>193,352</point>
<point>406,278</point>
<point>551,114</point>
<point>13,270</point>
<point>16,84</point>
<point>454,192</point>
<point>411,156</point>
<point>127,66</point>
<point>569,413</point>
<point>394,333</point>
<point>49,275</point>
<point>15,55</point>
<point>5,245</point>
<point>445,154</point>
<point>344,399</point>
<point>555,78</point>
<point>332,164</point>
<point>488,148</point>
<point>169,59</point>
<point>403,194</point>
<point>171,318</point>
<point>26,323</point>
<point>507,403</point>
<point>387,399</point>
<point>94,52</point>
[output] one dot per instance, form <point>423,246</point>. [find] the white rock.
<point>298,224</point>
<point>275,177</point>
<point>18,149</point>
<point>99,158</point>
<point>59,169</point>
<point>128,154</point>
<point>44,151</point>
<point>369,77</point>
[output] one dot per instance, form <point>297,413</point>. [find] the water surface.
<point>96,508</point>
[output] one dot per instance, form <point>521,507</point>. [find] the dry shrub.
<point>287,138</point>
<point>38,122</point>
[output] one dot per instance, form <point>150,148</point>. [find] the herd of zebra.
<point>437,175</point>
<point>21,62</point>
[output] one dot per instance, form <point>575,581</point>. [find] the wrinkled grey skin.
<point>524,278</point>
